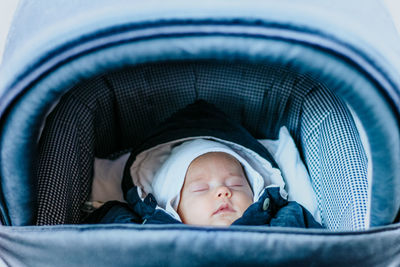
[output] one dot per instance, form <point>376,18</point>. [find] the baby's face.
<point>215,191</point>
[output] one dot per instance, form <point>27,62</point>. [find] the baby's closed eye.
<point>199,187</point>
<point>235,182</point>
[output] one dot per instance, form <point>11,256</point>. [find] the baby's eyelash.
<point>199,188</point>
<point>236,185</point>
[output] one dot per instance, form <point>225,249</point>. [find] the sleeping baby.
<point>215,191</point>
<point>200,167</point>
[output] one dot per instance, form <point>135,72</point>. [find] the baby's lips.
<point>225,207</point>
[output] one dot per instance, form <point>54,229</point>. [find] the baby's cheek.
<point>190,205</point>
<point>198,205</point>
<point>191,211</point>
<point>245,202</point>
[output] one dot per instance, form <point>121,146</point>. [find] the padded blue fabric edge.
<point>127,245</point>
<point>27,114</point>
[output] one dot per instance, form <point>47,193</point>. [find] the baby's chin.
<point>223,220</point>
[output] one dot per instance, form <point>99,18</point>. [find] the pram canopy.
<point>103,74</point>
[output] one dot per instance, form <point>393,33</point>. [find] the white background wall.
<point>394,8</point>
<point>7,8</point>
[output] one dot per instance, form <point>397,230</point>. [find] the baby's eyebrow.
<point>238,174</point>
<point>197,179</point>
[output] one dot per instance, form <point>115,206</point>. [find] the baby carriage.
<point>85,80</point>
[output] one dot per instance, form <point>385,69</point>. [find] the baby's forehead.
<point>217,155</point>
<point>222,158</point>
<point>223,162</point>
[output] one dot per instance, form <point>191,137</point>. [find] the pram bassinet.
<point>126,67</point>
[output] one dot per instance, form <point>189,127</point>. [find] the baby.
<point>206,182</point>
<point>215,192</point>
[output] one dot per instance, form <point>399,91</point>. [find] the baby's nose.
<point>224,191</point>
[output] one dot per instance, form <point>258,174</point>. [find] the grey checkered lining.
<point>108,114</point>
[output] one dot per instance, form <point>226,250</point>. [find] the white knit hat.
<point>170,177</point>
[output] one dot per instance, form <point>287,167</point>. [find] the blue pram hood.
<point>348,59</point>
